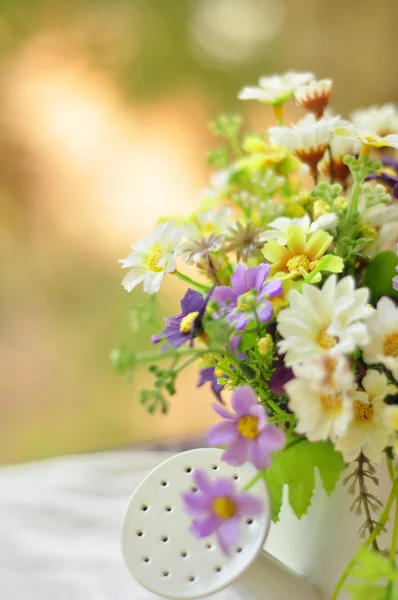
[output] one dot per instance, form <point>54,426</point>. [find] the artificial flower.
<point>382,345</point>
<point>339,148</point>
<point>210,375</point>
<point>383,120</point>
<point>245,240</point>
<point>246,432</point>
<point>308,139</point>
<point>217,508</point>
<point>367,432</point>
<point>369,139</point>
<point>301,255</point>
<point>319,397</point>
<point>207,223</point>
<point>331,318</point>
<point>278,228</point>
<point>314,96</point>
<point>247,299</point>
<point>275,89</point>
<point>195,251</point>
<point>152,257</point>
<point>188,323</point>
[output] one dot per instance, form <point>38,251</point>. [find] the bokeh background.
<point>104,108</point>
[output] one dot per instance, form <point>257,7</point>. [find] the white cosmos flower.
<point>367,137</point>
<point>206,223</point>
<point>368,431</point>
<point>331,318</point>
<point>383,120</point>
<point>275,89</point>
<point>319,396</point>
<point>279,227</point>
<point>314,96</point>
<point>152,257</point>
<point>382,346</point>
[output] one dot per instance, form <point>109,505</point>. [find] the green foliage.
<point>294,467</point>
<point>122,359</point>
<point>326,191</point>
<point>226,126</point>
<point>373,566</point>
<point>362,166</point>
<point>379,274</point>
<point>219,157</point>
<point>153,400</point>
<point>144,312</point>
<point>375,194</point>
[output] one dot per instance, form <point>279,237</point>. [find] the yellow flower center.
<point>224,507</point>
<point>325,340</point>
<point>362,411</point>
<point>390,345</point>
<point>370,139</point>
<point>208,228</point>
<point>331,402</point>
<point>242,304</point>
<point>248,427</point>
<point>187,321</point>
<point>297,263</point>
<point>154,257</point>
<point>218,372</point>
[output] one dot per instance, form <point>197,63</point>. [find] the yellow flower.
<point>369,139</point>
<point>301,255</point>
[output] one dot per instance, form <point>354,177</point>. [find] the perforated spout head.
<point>158,548</point>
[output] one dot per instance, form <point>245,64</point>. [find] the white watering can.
<point>164,557</point>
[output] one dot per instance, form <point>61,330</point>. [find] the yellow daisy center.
<point>390,344</point>
<point>298,262</point>
<point>187,321</point>
<point>242,304</point>
<point>248,427</point>
<point>153,258</point>
<point>224,507</point>
<point>332,402</point>
<point>370,139</point>
<point>325,340</point>
<point>362,411</point>
<point>218,372</point>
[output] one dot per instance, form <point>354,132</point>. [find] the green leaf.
<point>379,275</point>
<point>295,467</point>
<point>368,592</point>
<point>373,566</point>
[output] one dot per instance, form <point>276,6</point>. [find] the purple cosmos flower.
<point>246,433</point>
<point>188,323</point>
<point>208,375</point>
<point>217,508</point>
<point>235,302</point>
<point>279,379</point>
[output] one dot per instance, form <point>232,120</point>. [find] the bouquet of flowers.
<point>293,310</point>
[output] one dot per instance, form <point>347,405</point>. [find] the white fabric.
<point>60,526</point>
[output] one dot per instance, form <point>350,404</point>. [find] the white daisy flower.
<point>275,89</point>
<point>368,432</point>
<point>382,345</point>
<point>319,397</point>
<point>207,223</point>
<point>314,96</point>
<point>278,228</point>
<point>152,257</point>
<point>384,218</point>
<point>340,147</point>
<point>330,318</point>
<point>368,138</point>
<point>308,139</point>
<point>383,120</point>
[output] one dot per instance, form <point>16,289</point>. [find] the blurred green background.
<point>103,129</point>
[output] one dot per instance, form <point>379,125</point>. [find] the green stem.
<point>390,468</point>
<point>185,364</point>
<point>253,481</point>
<point>320,267</point>
<point>377,530</point>
<point>353,207</point>
<point>152,355</point>
<point>187,279</point>
<point>394,539</point>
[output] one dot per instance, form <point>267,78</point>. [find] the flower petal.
<point>227,534</point>
<point>224,295</point>
<point>202,528</point>
<point>275,253</point>
<point>243,398</point>
<point>192,301</point>
<point>296,239</point>
<point>196,504</point>
<point>236,453</point>
<point>272,438</point>
<point>223,412</point>
<point>221,433</point>
<point>249,505</point>
<point>202,481</point>
<point>317,244</point>
<point>224,487</point>
<point>259,456</point>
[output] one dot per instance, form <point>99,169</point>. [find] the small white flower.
<point>382,346</point>
<point>383,120</point>
<point>340,147</point>
<point>368,431</point>
<point>314,96</point>
<point>319,396</point>
<point>308,139</point>
<point>279,228</point>
<point>384,217</point>
<point>275,89</point>
<point>207,223</point>
<point>330,318</point>
<point>152,257</point>
<point>370,139</point>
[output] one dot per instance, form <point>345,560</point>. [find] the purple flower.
<point>388,174</point>
<point>237,302</point>
<point>279,379</point>
<point>208,375</point>
<point>246,433</point>
<point>217,507</point>
<point>187,324</point>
